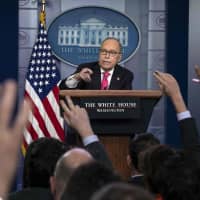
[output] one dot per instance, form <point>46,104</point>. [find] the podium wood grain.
<point>117,148</point>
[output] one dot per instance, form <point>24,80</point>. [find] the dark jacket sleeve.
<point>99,153</point>
<point>190,138</point>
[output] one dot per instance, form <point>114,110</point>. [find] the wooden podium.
<point>115,115</point>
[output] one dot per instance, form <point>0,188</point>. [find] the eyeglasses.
<point>110,53</point>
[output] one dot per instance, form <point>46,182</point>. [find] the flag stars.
<point>48,54</point>
<point>53,68</point>
<point>40,39</point>
<point>30,76</point>
<point>35,84</point>
<point>40,90</point>
<point>46,82</point>
<point>48,68</point>
<point>32,69</point>
<point>32,62</point>
<point>43,54</point>
<point>34,54</point>
<point>53,75</point>
<point>36,76</point>
<point>41,76</point>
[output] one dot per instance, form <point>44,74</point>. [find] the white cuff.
<point>71,82</point>
<point>183,115</point>
<point>90,139</point>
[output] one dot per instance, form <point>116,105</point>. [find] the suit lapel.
<point>96,77</point>
<point>116,77</point>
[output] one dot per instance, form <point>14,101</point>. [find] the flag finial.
<point>43,13</point>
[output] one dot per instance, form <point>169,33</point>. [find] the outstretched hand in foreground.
<point>10,133</point>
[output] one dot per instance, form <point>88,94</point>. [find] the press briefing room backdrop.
<point>169,41</point>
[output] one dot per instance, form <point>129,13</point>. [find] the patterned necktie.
<point>104,82</point>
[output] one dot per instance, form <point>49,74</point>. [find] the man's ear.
<point>128,160</point>
<point>119,58</point>
<point>52,184</point>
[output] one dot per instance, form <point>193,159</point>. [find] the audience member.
<point>122,191</point>
<point>78,119</point>
<point>87,179</point>
<point>170,175</point>
<point>138,144</point>
<point>65,166</point>
<point>39,165</point>
<point>188,128</point>
<point>10,128</point>
<point>40,161</point>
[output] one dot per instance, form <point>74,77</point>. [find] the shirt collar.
<point>111,71</point>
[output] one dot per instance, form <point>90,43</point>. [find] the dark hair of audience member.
<point>150,161</point>
<point>87,179</point>
<point>138,144</point>
<point>122,191</point>
<point>178,179</point>
<point>40,161</point>
<point>170,175</point>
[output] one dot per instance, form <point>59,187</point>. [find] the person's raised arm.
<point>188,128</point>
<point>78,119</point>
<point>10,134</point>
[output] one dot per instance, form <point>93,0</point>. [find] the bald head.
<point>65,167</point>
<point>76,157</point>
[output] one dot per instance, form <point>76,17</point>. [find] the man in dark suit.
<point>138,144</point>
<point>89,76</point>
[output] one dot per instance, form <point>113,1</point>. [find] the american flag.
<point>41,87</point>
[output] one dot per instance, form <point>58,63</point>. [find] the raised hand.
<point>10,133</point>
<point>170,87</point>
<point>76,117</point>
<point>84,74</point>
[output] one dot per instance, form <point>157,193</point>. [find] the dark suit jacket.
<point>31,194</point>
<point>121,79</point>
<point>190,138</point>
<point>97,150</point>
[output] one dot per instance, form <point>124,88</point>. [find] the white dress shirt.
<point>71,82</point>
